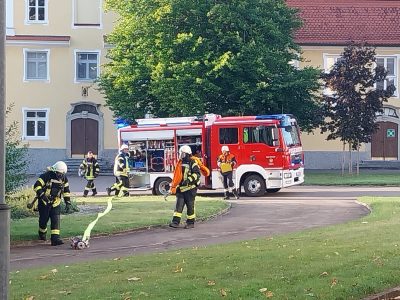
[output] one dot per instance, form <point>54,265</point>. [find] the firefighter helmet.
<point>60,167</point>
<point>123,147</point>
<point>185,149</point>
<point>225,149</point>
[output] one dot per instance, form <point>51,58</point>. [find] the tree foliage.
<point>351,109</point>
<point>16,161</point>
<point>185,57</point>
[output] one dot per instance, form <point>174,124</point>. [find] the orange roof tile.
<point>338,22</point>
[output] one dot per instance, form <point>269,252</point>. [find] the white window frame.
<point>73,26</point>
<point>46,13</point>
<point>396,72</point>
<point>25,119</point>
<point>326,56</point>
<point>78,51</point>
<point>26,79</point>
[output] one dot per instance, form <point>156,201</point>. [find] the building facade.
<point>55,49</point>
<point>328,26</point>
<point>54,53</point>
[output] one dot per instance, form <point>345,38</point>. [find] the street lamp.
<point>4,209</point>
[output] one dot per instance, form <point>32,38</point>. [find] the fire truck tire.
<point>254,186</point>
<point>273,190</point>
<point>161,186</point>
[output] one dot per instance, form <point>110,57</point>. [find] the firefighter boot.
<point>189,225</point>
<point>108,190</point>
<point>226,196</point>
<point>42,236</point>
<point>94,193</point>
<point>235,193</point>
<point>173,225</point>
<point>85,193</point>
<point>55,240</point>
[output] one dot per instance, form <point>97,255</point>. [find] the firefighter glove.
<point>185,182</point>
<point>67,207</point>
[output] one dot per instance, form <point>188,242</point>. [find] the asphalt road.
<point>290,210</point>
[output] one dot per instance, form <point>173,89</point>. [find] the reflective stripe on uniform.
<point>177,214</point>
<point>44,230</point>
<point>55,231</point>
<point>191,217</point>
<point>41,181</point>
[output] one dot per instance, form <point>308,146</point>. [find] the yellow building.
<point>55,49</point>
<point>328,27</point>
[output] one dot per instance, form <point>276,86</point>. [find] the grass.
<point>347,261</point>
<point>126,214</point>
<point>334,177</point>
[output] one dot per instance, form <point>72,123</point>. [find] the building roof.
<point>338,22</point>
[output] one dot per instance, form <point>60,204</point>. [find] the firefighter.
<point>226,162</point>
<point>50,187</point>
<point>121,171</point>
<point>90,169</point>
<point>184,185</point>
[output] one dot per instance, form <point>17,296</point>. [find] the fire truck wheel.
<point>273,190</point>
<point>161,186</point>
<point>254,186</point>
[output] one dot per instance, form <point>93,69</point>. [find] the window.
<point>36,66</point>
<point>261,134</point>
<point>37,11</point>
<point>87,66</point>
<point>329,61</point>
<point>87,13</point>
<point>35,124</point>
<point>388,111</point>
<point>228,136</point>
<point>390,65</point>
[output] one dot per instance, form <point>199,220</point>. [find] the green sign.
<point>390,133</point>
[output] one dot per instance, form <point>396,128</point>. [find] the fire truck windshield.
<point>291,135</point>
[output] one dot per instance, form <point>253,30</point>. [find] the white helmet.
<point>185,149</point>
<point>60,167</point>
<point>225,148</point>
<point>123,147</point>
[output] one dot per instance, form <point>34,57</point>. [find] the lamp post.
<point>4,209</point>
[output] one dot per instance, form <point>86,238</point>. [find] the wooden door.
<point>84,136</point>
<point>384,144</point>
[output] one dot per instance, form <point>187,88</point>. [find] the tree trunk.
<point>350,160</point>
<point>358,160</point>
<point>343,157</point>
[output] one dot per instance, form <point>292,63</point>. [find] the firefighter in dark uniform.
<point>184,184</point>
<point>90,169</point>
<point>121,170</point>
<point>226,162</point>
<point>50,188</point>
<point>116,186</point>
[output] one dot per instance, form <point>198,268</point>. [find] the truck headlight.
<point>287,175</point>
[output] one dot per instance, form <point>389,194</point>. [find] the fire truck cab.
<point>268,150</point>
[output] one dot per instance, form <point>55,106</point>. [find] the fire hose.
<point>78,242</point>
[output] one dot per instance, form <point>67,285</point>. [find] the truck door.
<point>259,144</point>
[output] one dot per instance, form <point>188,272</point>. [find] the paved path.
<point>291,210</point>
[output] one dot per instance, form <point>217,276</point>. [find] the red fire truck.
<point>267,148</point>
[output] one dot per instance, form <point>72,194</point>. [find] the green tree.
<point>16,154</point>
<point>352,105</point>
<point>183,57</point>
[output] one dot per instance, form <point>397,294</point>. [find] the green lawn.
<point>347,261</point>
<point>366,177</point>
<point>126,214</point>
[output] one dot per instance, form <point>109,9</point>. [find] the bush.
<point>16,160</point>
<point>19,200</point>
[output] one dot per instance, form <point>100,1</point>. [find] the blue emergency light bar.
<point>284,119</point>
